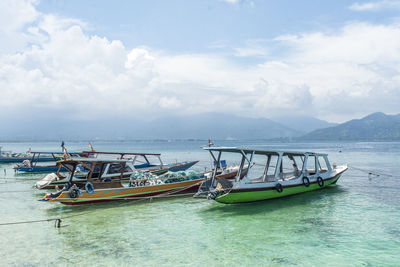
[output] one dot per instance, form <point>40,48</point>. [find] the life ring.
<point>89,187</point>
<point>320,181</point>
<point>306,181</point>
<point>279,188</point>
<point>74,193</point>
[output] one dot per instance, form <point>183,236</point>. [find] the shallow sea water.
<point>356,223</point>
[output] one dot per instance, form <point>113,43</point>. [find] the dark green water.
<point>356,223</point>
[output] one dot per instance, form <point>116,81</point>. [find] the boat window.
<point>272,167</point>
<point>311,164</point>
<point>298,160</point>
<point>323,167</point>
<point>98,170</point>
<point>115,168</point>
<point>256,173</point>
<point>289,168</point>
<point>128,169</point>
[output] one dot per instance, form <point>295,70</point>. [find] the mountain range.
<point>376,126</point>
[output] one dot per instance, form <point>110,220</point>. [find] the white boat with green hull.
<point>282,173</point>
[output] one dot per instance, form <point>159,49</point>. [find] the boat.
<point>149,161</point>
<point>31,165</point>
<point>12,157</point>
<point>134,161</point>
<point>283,173</point>
<point>97,188</point>
<point>111,170</point>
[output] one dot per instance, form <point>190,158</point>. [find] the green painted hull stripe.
<point>119,196</point>
<point>251,196</point>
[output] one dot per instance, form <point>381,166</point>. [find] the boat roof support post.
<point>327,162</point>
<point>213,180</point>
<point>237,178</point>
<point>264,178</point>
<point>161,163</point>
<point>250,162</point>
<point>212,155</point>
<point>278,166</point>
<point>72,172</point>
<point>122,170</point>
<point>89,177</point>
<point>58,171</point>
<point>134,160</point>
<point>33,159</point>
<point>305,165</point>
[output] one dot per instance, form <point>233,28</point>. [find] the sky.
<point>70,59</point>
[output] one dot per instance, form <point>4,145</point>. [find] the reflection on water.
<point>353,223</point>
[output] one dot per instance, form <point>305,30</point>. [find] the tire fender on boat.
<point>89,187</point>
<point>306,181</point>
<point>279,188</point>
<point>74,192</point>
<point>320,181</point>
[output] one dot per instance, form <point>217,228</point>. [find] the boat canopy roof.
<point>57,152</point>
<point>258,151</point>
<point>75,160</point>
<point>122,153</point>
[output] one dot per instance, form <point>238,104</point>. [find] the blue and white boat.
<point>31,164</point>
<point>7,156</point>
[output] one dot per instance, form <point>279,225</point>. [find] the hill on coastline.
<point>304,124</point>
<point>374,127</point>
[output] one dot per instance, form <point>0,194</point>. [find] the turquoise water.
<point>356,223</point>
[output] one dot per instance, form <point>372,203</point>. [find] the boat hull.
<point>125,193</point>
<point>265,193</point>
<point>21,159</point>
<point>40,169</point>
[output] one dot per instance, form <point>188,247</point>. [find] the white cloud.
<point>377,5</point>
<point>231,1</point>
<point>249,3</point>
<point>252,48</point>
<point>351,72</point>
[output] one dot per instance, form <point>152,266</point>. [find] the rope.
<point>371,172</point>
<point>57,221</point>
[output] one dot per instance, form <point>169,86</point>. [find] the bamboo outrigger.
<point>284,173</point>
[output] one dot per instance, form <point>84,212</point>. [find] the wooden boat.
<point>283,173</point>
<point>99,189</point>
<point>134,161</point>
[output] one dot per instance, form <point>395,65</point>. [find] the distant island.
<point>219,126</point>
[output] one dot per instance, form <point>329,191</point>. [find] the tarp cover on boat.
<point>46,180</point>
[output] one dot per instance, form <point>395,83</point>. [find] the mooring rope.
<point>57,221</point>
<point>371,172</point>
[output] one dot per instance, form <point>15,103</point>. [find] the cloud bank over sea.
<point>51,64</point>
